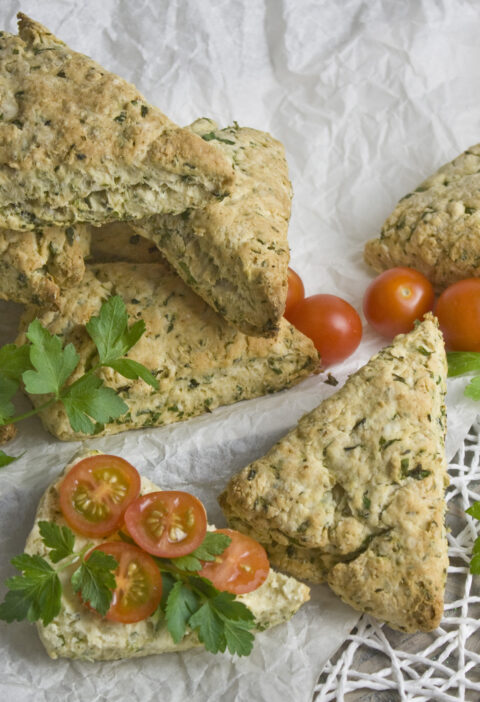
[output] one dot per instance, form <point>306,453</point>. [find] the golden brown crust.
<point>78,143</point>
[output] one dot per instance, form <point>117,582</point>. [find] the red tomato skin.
<point>331,323</point>
<point>124,554</point>
<point>395,299</point>
<point>296,292</point>
<point>139,513</point>
<point>228,575</point>
<point>458,312</point>
<point>83,473</point>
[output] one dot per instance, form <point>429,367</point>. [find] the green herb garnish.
<point>474,511</point>
<point>460,362</point>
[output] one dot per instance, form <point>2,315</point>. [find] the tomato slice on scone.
<point>169,523</point>
<point>241,568</point>
<point>138,583</point>
<point>96,492</point>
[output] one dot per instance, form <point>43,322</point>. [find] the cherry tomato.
<point>138,583</point>
<point>169,523</point>
<point>458,311</point>
<point>242,567</point>
<point>331,323</point>
<point>296,292</point>
<point>96,492</point>
<point>395,299</point>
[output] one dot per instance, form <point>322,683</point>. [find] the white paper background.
<point>369,98</point>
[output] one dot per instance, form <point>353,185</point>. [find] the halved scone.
<point>234,252</point>
<point>77,632</point>
<point>34,265</point>
<point>436,228</point>
<point>199,360</point>
<point>78,143</point>
<point>354,495</point>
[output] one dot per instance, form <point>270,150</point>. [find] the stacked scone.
<point>187,225</point>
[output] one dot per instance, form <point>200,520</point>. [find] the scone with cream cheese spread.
<point>79,633</point>
<point>199,360</point>
<point>34,265</point>
<point>436,228</point>
<point>234,252</point>
<point>354,495</point>
<point>80,144</point>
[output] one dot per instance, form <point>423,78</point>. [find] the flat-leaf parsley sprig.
<point>44,367</point>
<point>189,602</point>
<point>474,511</point>
<point>460,362</point>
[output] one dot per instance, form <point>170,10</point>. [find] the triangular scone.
<point>117,241</point>
<point>200,360</point>
<point>78,143</point>
<point>34,265</point>
<point>436,228</point>
<point>234,253</point>
<point>355,493</point>
<point>79,633</point>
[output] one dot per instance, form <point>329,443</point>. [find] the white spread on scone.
<point>199,360</point>
<point>79,633</point>
<point>354,494</point>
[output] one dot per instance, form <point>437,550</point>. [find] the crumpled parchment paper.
<point>369,98</point>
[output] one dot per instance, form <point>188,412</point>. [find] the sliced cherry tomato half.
<point>138,583</point>
<point>96,492</point>
<point>169,523</point>
<point>242,567</point>
<point>331,323</point>
<point>296,292</point>
<point>458,312</point>
<point>395,299</point>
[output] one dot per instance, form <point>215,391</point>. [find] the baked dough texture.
<point>78,633</point>
<point>354,495</point>
<point>436,228</point>
<point>199,360</point>
<point>234,252</point>
<point>117,241</point>
<point>34,265</point>
<point>78,143</point>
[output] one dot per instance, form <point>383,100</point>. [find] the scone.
<point>78,633</point>
<point>34,265</point>
<point>354,495</point>
<point>78,143</point>
<point>234,252</point>
<point>117,241</point>
<point>436,228</point>
<point>199,360</point>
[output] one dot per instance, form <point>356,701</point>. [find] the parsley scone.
<point>436,228</point>
<point>79,633</point>
<point>354,495</point>
<point>34,265</point>
<point>199,360</point>
<point>234,253</point>
<point>78,143</point>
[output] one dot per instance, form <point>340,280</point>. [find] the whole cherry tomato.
<point>296,292</point>
<point>395,299</point>
<point>331,323</point>
<point>458,311</point>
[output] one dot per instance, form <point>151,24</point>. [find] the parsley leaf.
<point>473,388</point>
<point>88,397</point>
<point>133,370</point>
<point>6,460</point>
<point>33,595</point>
<point>14,361</point>
<point>209,627</point>
<point>95,580</point>
<point>212,545</point>
<point>8,388</point>
<point>182,603</point>
<point>53,365</point>
<point>474,510</point>
<point>110,331</point>
<point>60,539</point>
<point>460,362</point>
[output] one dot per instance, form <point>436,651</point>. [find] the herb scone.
<point>354,495</point>
<point>79,633</point>
<point>234,253</point>
<point>34,265</point>
<point>199,360</point>
<point>436,228</point>
<point>117,241</point>
<point>78,143</point>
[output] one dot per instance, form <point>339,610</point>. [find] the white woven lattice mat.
<point>377,664</point>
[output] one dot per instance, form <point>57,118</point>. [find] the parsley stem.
<point>31,413</point>
<point>77,556</point>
